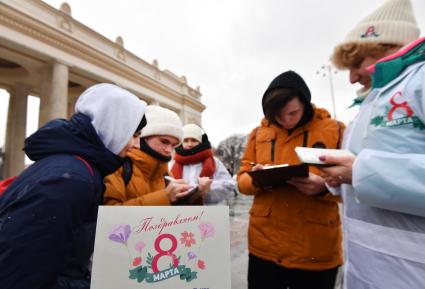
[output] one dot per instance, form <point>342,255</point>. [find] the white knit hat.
<point>162,121</point>
<point>192,131</point>
<point>392,23</point>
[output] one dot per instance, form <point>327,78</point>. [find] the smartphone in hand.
<point>192,195</point>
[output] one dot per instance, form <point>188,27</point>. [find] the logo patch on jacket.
<point>401,107</point>
<point>319,145</point>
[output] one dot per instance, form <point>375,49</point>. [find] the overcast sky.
<point>232,49</point>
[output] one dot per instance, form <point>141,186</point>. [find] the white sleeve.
<point>170,165</point>
<point>222,185</point>
<point>390,181</point>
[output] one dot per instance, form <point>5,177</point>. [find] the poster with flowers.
<point>162,247</point>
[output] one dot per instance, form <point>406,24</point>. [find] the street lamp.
<point>327,70</point>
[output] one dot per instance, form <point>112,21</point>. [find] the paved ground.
<point>239,207</point>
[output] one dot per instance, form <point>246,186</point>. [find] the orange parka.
<point>286,226</point>
<point>146,186</point>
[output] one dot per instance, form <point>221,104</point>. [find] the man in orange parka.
<point>294,232</point>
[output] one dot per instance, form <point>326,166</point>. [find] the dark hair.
<point>276,99</point>
<point>205,144</point>
<point>141,125</point>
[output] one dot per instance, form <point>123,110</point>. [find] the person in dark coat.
<point>48,214</point>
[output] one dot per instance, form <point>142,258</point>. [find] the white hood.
<point>115,113</point>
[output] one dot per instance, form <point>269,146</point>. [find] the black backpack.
<point>127,170</point>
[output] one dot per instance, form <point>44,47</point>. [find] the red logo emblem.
<point>370,32</point>
<point>399,105</point>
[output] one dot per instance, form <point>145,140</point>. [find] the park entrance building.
<point>46,53</point>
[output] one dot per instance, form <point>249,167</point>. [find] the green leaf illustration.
<point>418,123</point>
<point>149,259</point>
<point>377,121</point>
<point>138,273</point>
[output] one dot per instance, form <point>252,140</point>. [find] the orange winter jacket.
<point>146,186</point>
<point>286,226</point>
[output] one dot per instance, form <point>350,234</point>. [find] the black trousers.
<point>264,274</point>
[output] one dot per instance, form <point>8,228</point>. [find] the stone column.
<point>54,92</point>
<point>14,159</point>
<point>73,94</point>
<point>183,114</point>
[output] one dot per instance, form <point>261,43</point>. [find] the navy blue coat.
<point>48,214</point>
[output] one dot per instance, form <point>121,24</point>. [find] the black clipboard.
<point>277,176</point>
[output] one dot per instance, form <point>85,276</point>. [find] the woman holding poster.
<point>48,214</point>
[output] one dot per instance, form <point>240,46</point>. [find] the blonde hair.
<point>351,54</point>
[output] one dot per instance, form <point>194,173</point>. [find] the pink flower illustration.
<point>207,230</point>
<point>187,239</point>
<point>120,234</point>
<point>201,264</point>
<point>137,261</point>
<point>139,246</point>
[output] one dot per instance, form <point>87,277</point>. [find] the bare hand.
<point>177,189</point>
<point>204,185</point>
<point>312,185</point>
<point>257,167</point>
<point>341,171</point>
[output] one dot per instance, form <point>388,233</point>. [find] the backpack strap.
<point>86,163</point>
<point>4,184</point>
<point>127,170</point>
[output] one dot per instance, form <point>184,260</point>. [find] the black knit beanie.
<point>294,82</point>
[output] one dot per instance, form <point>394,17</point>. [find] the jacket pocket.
<point>322,232</point>
<point>260,228</point>
<point>265,147</point>
<point>324,213</point>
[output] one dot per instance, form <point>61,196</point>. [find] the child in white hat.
<point>141,180</point>
<point>195,163</point>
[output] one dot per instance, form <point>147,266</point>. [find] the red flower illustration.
<point>187,239</point>
<point>137,261</point>
<point>201,264</point>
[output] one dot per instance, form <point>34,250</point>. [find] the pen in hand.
<point>170,179</point>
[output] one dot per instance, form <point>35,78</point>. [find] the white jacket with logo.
<point>384,209</point>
